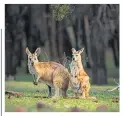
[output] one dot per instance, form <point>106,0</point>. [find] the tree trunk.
<point>12,12</point>
<point>99,74</point>
<point>60,42</point>
<point>46,48</point>
<point>71,34</point>
<point>53,39</point>
<point>115,48</point>
<point>8,55</point>
<point>88,41</point>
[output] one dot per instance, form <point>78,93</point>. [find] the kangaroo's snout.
<point>32,63</point>
<point>73,58</point>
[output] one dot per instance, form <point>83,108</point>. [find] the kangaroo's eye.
<point>76,55</point>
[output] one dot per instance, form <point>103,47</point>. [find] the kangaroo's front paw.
<point>76,95</point>
<point>49,96</point>
<point>55,97</point>
<point>82,97</point>
<point>92,98</point>
<point>35,83</point>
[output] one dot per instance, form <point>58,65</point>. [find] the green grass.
<point>31,97</point>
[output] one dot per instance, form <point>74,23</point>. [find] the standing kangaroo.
<point>31,68</point>
<point>51,73</point>
<point>77,71</point>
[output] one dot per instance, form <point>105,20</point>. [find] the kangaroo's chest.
<point>31,69</point>
<point>74,68</point>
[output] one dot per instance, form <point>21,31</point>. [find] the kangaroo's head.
<point>75,85</point>
<point>33,57</point>
<point>76,55</point>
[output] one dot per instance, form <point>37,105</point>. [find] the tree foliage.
<point>60,11</point>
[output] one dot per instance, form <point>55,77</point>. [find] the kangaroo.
<point>77,71</point>
<point>32,70</point>
<point>51,73</point>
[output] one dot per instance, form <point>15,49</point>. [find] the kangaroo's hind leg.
<point>58,82</point>
<point>87,89</point>
<point>49,91</point>
<point>87,93</point>
<point>57,89</point>
<point>64,95</point>
<point>83,95</point>
<point>57,92</point>
<point>83,92</point>
<point>64,87</point>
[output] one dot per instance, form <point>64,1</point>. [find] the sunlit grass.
<point>31,97</point>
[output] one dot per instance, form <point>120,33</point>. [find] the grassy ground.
<point>32,97</point>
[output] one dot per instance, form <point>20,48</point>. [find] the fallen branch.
<point>12,93</point>
<point>114,88</point>
<point>117,87</point>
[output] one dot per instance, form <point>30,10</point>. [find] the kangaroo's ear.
<point>38,51</point>
<point>73,50</point>
<point>27,51</point>
<point>80,51</point>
